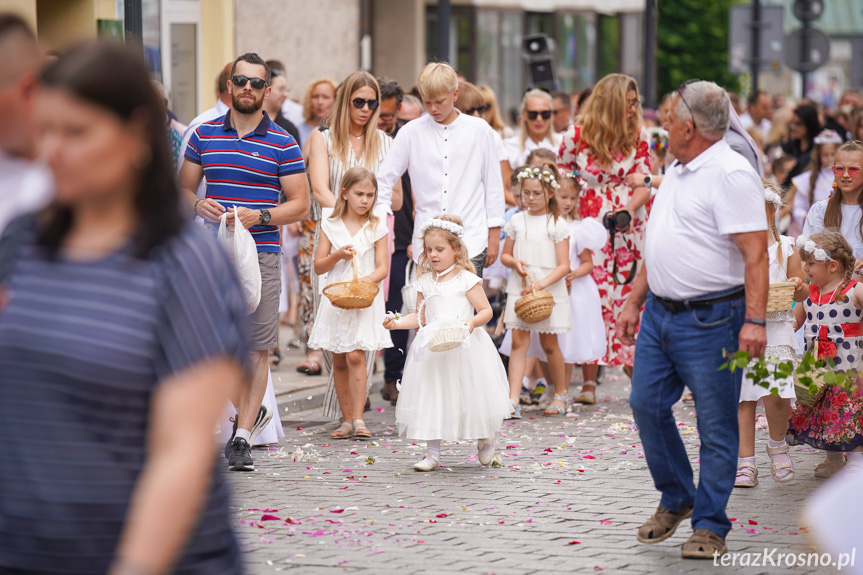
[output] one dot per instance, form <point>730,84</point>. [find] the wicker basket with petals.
<point>780,296</point>
<point>535,306</point>
<point>355,294</point>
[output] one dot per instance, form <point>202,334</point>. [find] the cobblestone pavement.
<point>568,498</point>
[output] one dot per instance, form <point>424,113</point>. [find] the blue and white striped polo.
<point>244,171</point>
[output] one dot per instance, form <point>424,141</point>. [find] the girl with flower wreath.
<point>832,313</point>
<point>459,393</point>
<point>785,266</point>
<point>605,145</point>
<point>537,243</point>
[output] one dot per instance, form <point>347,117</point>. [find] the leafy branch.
<point>765,371</point>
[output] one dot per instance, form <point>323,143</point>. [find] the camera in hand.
<point>615,221</point>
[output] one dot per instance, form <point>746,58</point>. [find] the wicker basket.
<point>355,294</point>
<point>801,390</point>
<point>780,296</point>
<point>535,306</point>
<point>448,337</point>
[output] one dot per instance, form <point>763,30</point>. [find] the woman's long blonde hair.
<point>462,259</point>
<point>549,131</point>
<point>351,178</point>
<point>308,114</point>
<point>603,123</point>
<point>495,119</point>
<point>340,120</point>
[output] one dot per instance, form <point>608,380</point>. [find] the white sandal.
<point>485,451</point>
<point>747,475</point>
<point>782,465</point>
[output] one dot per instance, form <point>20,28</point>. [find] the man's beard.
<point>244,107</point>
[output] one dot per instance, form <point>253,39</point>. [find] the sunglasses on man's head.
<point>680,89</point>
<point>839,171</point>
<point>532,114</point>
<point>359,103</point>
<point>241,81</point>
<point>478,111</point>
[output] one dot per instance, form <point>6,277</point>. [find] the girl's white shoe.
<point>485,451</point>
<point>427,463</point>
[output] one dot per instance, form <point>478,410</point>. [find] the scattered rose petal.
<point>751,522</point>
<point>441,515</point>
<point>574,543</point>
<point>605,522</point>
<point>270,518</point>
<point>337,510</point>
<point>299,428</point>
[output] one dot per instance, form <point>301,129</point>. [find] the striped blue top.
<point>244,171</point>
<point>83,347</point>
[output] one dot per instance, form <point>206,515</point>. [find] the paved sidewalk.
<point>568,499</point>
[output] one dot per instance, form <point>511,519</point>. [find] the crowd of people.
<point>491,261</point>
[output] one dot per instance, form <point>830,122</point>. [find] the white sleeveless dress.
<point>341,330</point>
<point>460,394</point>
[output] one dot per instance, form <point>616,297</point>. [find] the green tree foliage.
<point>693,43</point>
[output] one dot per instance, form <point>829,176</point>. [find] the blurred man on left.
<point>24,185</point>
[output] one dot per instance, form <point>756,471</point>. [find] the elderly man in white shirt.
<point>706,269</point>
<point>453,163</point>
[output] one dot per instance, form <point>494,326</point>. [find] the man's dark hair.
<point>391,89</point>
<point>222,80</point>
<point>753,97</point>
<point>252,58</point>
<point>10,23</point>
<point>276,65</point>
<point>562,97</point>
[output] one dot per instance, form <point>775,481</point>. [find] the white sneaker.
<point>484,453</point>
<point>427,463</point>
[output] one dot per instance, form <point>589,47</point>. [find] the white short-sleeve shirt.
<point>689,244</point>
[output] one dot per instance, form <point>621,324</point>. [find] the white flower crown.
<point>810,247</point>
<point>828,137</point>
<point>536,174</point>
<point>451,227</point>
<point>772,197</point>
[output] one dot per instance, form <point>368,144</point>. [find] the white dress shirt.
<point>689,244</point>
<point>454,169</point>
<point>26,187</point>
<point>748,122</point>
<point>518,156</point>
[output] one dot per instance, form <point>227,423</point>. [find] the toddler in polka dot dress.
<point>832,313</point>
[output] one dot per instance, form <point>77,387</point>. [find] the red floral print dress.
<point>603,190</point>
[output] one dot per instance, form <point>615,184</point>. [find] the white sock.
<point>433,448</point>
<point>245,434</point>
<point>525,382</point>
<point>854,456</point>
<point>748,460</point>
<point>775,444</point>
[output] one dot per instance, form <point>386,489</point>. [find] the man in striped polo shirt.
<point>248,160</point>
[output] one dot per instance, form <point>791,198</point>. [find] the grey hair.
<point>415,101</point>
<point>709,104</point>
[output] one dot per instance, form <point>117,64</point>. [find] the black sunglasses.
<point>680,90</point>
<point>532,114</point>
<point>241,81</point>
<point>478,111</point>
<point>359,103</point>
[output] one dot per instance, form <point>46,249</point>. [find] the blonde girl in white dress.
<point>459,394</point>
<point>537,242</point>
<point>785,265</point>
<point>352,231</point>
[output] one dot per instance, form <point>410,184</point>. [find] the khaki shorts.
<point>264,323</point>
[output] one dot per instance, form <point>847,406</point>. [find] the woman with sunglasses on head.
<point>844,209</point>
<point>351,138</point>
<point>537,128</point>
<point>605,145</point>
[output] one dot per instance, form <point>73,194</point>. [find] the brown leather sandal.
<point>704,544</point>
<point>662,525</point>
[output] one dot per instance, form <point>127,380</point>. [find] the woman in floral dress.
<point>606,144</point>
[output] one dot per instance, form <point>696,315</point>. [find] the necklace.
<point>446,271</point>
<point>360,137</point>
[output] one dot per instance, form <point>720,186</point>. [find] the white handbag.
<point>409,290</point>
<point>241,249</point>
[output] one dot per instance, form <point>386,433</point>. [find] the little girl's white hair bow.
<point>810,247</point>
<point>450,227</point>
<point>772,197</point>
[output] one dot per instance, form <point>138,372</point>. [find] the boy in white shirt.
<point>454,167</point>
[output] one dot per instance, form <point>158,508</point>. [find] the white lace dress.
<point>535,238</point>
<point>342,330</point>
<point>460,394</point>
<point>781,341</point>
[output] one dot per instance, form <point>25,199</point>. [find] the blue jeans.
<point>674,350</point>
